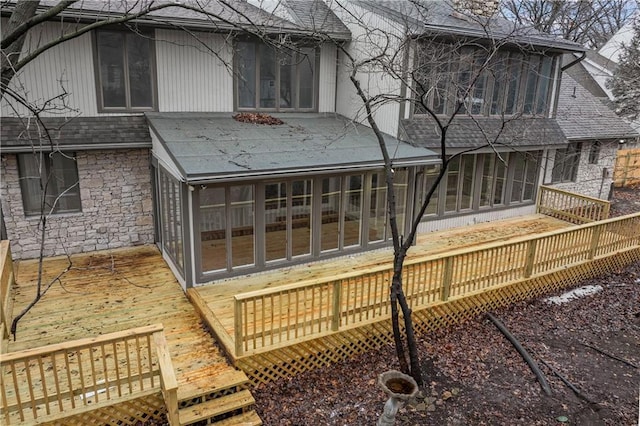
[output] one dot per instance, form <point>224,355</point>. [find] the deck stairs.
<point>222,400</point>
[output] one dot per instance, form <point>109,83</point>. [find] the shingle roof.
<point>582,116</point>
<point>78,133</point>
<point>210,146</point>
<point>213,15</point>
<point>467,132</point>
<point>438,17</point>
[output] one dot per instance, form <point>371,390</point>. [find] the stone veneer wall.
<point>589,180</point>
<point>117,208</point>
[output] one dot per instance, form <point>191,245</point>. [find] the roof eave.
<point>254,174</point>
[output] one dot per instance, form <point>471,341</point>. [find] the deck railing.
<point>274,317</point>
<point>65,379</point>
<point>6,285</point>
<point>571,207</point>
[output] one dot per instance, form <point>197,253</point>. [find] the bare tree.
<point>588,22</point>
<point>445,80</point>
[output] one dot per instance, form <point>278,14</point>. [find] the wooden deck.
<point>219,296</point>
<point>110,291</point>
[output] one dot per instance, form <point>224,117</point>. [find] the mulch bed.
<point>474,376</point>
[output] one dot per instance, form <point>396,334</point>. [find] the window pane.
<point>213,229</point>
<point>531,175</point>
<point>518,163</point>
<point>287,79</point>
<point>267,77</point>
<point>63,191</point>
<point>139,63</point>
<point>246,64</point>
<point>478,93</point>
<point>306,72</point>
<point>515,71</point>
<point>430,176</point>
<point>241,205</point>
<point>112,78</point>
<point>498,70</point>
<point>544,81</point>
<point>302,204</point>
<point>532,79</point>
<point>353,211</point>
<point>400,181</point>
<point>501,176</point>
<point>468,171</point>
<point>487,184</point>
<point>275,212</point>
<point>452,186</point>
<point>28,166</point>
<point>331,195</point>
<point>378,207</point>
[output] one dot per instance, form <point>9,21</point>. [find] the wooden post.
<point>531,257</point>
<point>336,305</point>
<point>595,241</point>
<point>446,278</point>
<point>168,379</point>
<point>237,324</point>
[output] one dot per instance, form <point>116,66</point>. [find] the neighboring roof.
<point>438,17</point>
<point>210,15</point>
<point>582,116</point>
<point>75,134</point>
<point>212,146</point>
<point>474,132</point>
<point>612,49</point>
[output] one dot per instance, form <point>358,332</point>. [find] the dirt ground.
<point>474,376</point>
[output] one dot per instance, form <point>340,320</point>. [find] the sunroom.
<point>233,197</point>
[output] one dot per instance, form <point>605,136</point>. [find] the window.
<point>485,83</point>
<point>272,79</point>
<point>126,66</point>
<point>58,173</point>
<point>565,165</point>
<point>594,152</point>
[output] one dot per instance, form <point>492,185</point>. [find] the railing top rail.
<point>574,195</point>
<point>387,265</point>
<point>75,344</point>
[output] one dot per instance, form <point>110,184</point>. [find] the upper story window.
<point>275,79</point>
<point>126,65</point>
<point>57,174</point>
<point>481,82</point>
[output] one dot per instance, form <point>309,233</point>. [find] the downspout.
<point>572,63</point>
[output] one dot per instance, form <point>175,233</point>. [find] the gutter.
<point>572,63</point>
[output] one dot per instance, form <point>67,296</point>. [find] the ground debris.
<point>473,376</point>
<point>257,118</point>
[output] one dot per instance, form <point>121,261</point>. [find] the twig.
<point>568,383</point>
<point>624,361</point>
<point>523,352</point>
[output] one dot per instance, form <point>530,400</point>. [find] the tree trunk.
<point>25,10</point>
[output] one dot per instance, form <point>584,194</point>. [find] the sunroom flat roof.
<point>214,146</point>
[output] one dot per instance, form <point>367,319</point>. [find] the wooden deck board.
<point>218,296</point>
<point>113,291</point>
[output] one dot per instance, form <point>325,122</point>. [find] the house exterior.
<point>138,137</point>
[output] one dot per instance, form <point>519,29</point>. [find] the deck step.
<point>215,407</point>
<point>207,385</point>
<point>250,418</point>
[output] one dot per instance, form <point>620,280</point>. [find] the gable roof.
<point>213,146</point>
<point>74,134</point>
<point>474,132</point>
<point>438,17</point>
<point>210,15</point>
<point>582,116</point>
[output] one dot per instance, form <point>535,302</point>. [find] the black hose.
<point>523,352</point>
